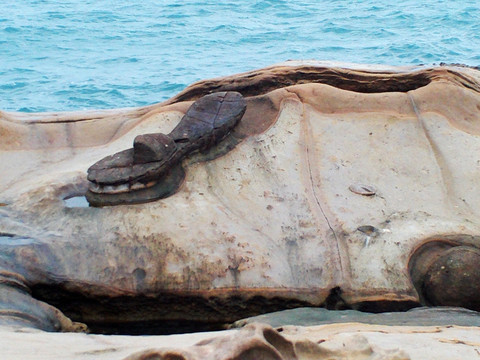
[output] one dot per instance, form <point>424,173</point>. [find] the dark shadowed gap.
<point>264,81</point>
<point>174,314</point>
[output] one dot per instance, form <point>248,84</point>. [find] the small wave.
<point>56,15</point>
<point>13,86</point>
<point>11,30</point>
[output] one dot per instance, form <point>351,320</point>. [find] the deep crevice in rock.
<point>174,314</point>
<point>382,306</point>
<point>265,80</point>
<point>165,313</point>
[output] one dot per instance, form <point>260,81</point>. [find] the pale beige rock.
<point>422,342</point>
<point>351,341</point>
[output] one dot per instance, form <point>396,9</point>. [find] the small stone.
<point>368,230</point>
<point>361,189</point>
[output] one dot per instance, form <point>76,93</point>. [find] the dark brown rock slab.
<point>146,172</point>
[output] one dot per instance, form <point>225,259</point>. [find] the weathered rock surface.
<point>266,220</point>
<point>152,169</point>
<point>351,341</point>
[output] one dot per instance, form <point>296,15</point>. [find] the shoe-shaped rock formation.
<point>152,169</point>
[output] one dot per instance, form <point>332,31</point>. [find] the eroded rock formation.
<point>350,341</point>
<point>152,169</point>
<point>343,187</point>
<point>258,341</point>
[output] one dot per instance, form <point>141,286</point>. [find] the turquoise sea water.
<point>72,55</point>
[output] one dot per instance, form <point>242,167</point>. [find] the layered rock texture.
<point>349,341</point>
<point>343,186</point>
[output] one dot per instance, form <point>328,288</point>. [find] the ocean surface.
<point>72,55</point>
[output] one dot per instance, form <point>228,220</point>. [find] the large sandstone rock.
<point>342,186</point>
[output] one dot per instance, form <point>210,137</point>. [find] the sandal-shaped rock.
<point>152,169</point>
